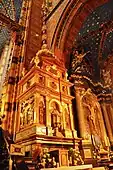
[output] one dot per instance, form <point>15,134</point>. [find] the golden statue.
<point>35,60</point>
<point>77,60</point>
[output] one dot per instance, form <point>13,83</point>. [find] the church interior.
<point>56,82</point>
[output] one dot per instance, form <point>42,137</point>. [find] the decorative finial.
<point>44,28</point>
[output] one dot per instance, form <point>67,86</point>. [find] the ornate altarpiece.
<point>45,109</point>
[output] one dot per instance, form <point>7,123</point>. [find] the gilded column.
<point>111,115</point>
<point>63,115</point>
<point>80,113</point>
<point>108,126</point>
<point>48,116</point>
<point>17,119</point>
<point>71,116</point>
<point>36,108</point>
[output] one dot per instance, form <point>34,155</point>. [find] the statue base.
<point>87,151</point>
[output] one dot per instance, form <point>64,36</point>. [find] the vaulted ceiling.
<point>11,9</point>
<point>75,22</point>
<point>91,24</point>
<point>93,28</point>
<point>96,34</point>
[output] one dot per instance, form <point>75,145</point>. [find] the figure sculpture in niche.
<point>55,115</point>
<point>27,112</point>
<point>42,113</point>
<point>56,120</point>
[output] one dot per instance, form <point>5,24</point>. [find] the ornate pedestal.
<point>87,151</point>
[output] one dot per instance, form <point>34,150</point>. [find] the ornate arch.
<point>56,101</point>
<point>70,23</point>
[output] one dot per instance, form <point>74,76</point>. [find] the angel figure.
<point>77,60</point>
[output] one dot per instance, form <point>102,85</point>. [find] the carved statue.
<point>35,60</point>
<point>42,113</point>
<point>55,115</point>
<point>77,60</point>
<point>75,157</point>
<point>27,112</point>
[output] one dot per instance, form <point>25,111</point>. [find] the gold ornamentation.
<point>23,72</point>
<point>36,60</point>
<point>27,112</point>
<point>78,59</point>
<point>64,89</point>
<point>44,52</point>
<point>42,80</point>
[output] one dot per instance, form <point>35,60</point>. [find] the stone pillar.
<point>108,126</point>
<point>80,113</point>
